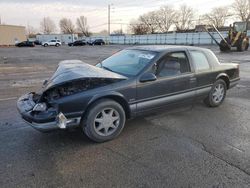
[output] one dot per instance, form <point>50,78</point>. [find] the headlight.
<point>40,107</point>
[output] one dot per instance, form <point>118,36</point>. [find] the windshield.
<point>128,62</point>
<point>240,26</point>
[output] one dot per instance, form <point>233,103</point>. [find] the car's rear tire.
<point>217,94</point>
<point>57,45</point>
<point>104,121</point>
<point>45,45</point>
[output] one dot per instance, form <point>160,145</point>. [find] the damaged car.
<point>132,82</point>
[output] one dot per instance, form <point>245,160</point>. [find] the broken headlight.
<point>40,107</point>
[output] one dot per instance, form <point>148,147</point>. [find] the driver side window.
<point>173,64</point>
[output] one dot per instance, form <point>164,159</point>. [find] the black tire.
<point>89,124</point>
<point>224,46</point>
<point>210,99</point>
<point>57,45</point>
<point>45,45</point>
<point>247,46</point>
<point>241,46</point>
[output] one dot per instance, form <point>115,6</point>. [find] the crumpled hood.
<point>70,70</point>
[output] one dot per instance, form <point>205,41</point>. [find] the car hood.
<point>70,70</point>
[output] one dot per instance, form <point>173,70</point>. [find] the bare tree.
<point>150,20</point>
<point>217,16</point>
<point>117,32</point>
<point>185,17</point>
<point>166,16</point>
<point>82,26</point>
<point>66,26</point>
<point>138,28</point>
<point>31,31</point>
<point>242,9</point>
<point>47,25</point>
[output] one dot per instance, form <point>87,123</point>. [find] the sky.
<point>31,12</point>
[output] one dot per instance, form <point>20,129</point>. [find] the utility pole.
<point>109,19</point>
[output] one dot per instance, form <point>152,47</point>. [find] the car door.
<point>175,83</point>
<point>52,43</point>
<point>203,70</point>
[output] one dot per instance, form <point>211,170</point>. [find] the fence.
<point>200,38</point>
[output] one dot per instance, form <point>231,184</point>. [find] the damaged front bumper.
<point>44,121</point>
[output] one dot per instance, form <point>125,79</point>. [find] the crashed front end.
<point>41,115</point>
<point>65,96</point>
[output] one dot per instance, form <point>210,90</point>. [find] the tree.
<point>185,17</point>
<point>31,31</point>
<point>117,32</point>
<point>217,16</point>
<point>66,26</point>
<point>166,16</point>
<point>47,25</point>
<point>138,28</point>
<point>242,9</point>
<point>150,20</point>
<point>82,26</point>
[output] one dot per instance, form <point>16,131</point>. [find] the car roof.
<point>165,48</point>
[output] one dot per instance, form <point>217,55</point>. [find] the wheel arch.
<point>117,97</point>
<point>224,77</point>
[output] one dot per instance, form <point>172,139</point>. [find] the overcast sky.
<point>30,12</point>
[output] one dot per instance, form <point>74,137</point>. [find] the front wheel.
<point>104,121</point>
<point>217,94</point>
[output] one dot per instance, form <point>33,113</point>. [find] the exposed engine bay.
<point>76,86</point>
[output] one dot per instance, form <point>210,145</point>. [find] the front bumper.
<point>44,121</point>
<point>234,82</point>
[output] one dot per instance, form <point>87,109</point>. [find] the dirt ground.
<point>198,147</point>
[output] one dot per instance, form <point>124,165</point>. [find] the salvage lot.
<point>194,147</point>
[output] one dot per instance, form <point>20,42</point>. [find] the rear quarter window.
<point>200,61</point>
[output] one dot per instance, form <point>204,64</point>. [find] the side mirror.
<point>148,77</point>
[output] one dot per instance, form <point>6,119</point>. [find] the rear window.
<point>200,61</point>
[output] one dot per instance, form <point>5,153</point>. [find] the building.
<point>11,34</point>
<point>64,38</point>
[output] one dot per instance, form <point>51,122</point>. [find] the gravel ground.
<point>190,147</point>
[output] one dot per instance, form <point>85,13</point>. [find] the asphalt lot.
<point>194,147</point>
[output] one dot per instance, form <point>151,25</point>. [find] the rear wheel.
<point>57,45</point>
<point>45,45</point>
<point>224,46</point>
<point>217,94</point>
<point>104,121</point>
<point>242,45</point>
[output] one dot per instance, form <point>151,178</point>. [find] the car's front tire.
<point>217,94</point>
<point>104,121</point>
<point>57,45</point>
<point>45,45</point>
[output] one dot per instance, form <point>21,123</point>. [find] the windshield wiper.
<point>107,69</point>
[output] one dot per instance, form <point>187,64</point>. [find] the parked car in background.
<point>96,42</point>
<point>37,42</point>
<point>132,82</point>
<point>25,44</point>
<point>77,43</point>
<point>53,42</point>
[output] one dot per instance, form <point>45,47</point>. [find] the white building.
<point>64,38</point>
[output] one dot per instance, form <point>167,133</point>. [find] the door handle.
<point>193,79</point>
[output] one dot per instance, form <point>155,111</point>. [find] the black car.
<point>77,43</point>
<point>96,42</point>
<point>37,42</point>
<point>25,44</point>
<point>130,83</point>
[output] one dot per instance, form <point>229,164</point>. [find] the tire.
<point>45,45</point>
<point>224,46</point>
<point>98,125</point>
<point>57,45</point>
<point>242,44</point>
<point>247,46</point>
<point>217,94</point>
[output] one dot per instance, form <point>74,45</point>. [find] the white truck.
<point>53,42</point>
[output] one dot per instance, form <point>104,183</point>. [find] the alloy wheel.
<point>218,93</point>
<point>106,122</point>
